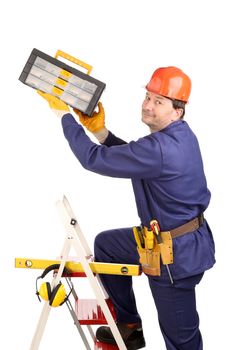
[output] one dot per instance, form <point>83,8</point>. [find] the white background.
<point>125,41</point>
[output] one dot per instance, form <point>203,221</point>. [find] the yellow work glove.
<point>94,124</point>
<point>59,107</point>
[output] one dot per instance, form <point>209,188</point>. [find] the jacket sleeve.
<point>113,140</point>
<point>136,160</point>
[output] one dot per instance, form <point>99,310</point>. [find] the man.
<point>169,184</point>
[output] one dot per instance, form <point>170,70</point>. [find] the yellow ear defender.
<point>57,295</point>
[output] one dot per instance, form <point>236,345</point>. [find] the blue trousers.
<point>175,303</point>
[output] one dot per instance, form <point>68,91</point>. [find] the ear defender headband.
<point>56,296</point>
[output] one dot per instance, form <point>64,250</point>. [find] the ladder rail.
<point>70,224</point>
<point>40,326</point>
<point>73,314</point>
<point>47,308</point>
<point>85,265</point>
<point>77,324</point>
<point>70,215</point>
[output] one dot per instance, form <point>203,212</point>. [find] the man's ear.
<point>179,112</point>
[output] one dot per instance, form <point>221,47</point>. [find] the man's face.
<point>158,112</point>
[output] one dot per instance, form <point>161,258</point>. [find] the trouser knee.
<point>117,245</point>
<point>101,246</point>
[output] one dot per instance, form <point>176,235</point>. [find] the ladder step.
<point>88,311</point>
<point>105,346</point>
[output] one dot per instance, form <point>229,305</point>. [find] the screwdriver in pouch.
<point>156,230</point>
<point>138,236</point>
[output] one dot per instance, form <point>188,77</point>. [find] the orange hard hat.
<point>170,82</point>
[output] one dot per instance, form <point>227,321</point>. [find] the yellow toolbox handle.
<point>74,60</point>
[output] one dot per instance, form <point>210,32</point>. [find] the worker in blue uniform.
<point>169,184</point>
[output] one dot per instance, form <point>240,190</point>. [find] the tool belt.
<point>150,248</point>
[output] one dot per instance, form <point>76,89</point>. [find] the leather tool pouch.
<point>150,258</point>
<point>150,261</point>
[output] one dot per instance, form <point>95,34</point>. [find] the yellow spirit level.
<point>74,87</point>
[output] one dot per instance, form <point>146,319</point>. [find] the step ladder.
<point>86,312</point>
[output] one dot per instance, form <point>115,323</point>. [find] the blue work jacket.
<point>168,180</point>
